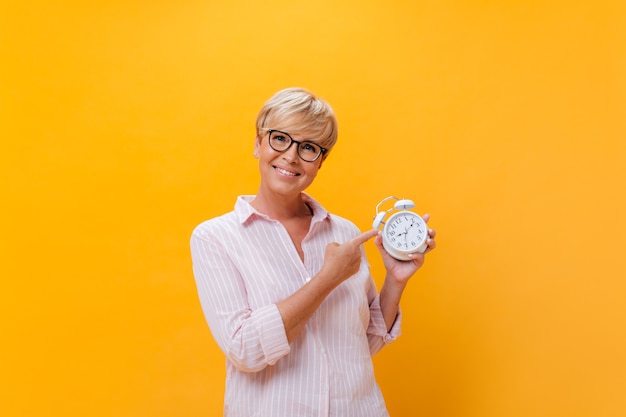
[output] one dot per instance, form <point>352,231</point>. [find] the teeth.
<point>284,172</point>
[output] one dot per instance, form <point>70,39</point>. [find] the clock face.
<point>406,231</point>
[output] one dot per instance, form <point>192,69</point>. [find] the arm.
<point>250,339</point>
<point>340,262</point>
<point>398,275</point>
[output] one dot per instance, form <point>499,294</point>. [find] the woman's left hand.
<point>401,271</point>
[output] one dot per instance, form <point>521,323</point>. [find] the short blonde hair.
<point>304,111</point>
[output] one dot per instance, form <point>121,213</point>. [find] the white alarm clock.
<point>405,232</point>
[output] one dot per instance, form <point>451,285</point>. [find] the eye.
<point>279,137</point>
<point>309,147</point>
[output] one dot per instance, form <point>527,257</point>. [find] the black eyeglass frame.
<point>322,149</point>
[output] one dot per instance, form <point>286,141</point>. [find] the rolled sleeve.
<point>271,333</point>
<point>378,336</point>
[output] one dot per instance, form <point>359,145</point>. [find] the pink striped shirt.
<point>244,263</point>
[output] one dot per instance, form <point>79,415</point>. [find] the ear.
<point>322,159</point>
<point>257,147</point>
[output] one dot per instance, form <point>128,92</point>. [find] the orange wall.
<point>125,123</point>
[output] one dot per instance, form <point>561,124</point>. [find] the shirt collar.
<point>245,211</point>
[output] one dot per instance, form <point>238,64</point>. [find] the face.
<point>285,173</point>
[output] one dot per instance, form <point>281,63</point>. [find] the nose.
<point>291,154</point>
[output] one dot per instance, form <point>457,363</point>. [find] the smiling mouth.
<point>285,172</point>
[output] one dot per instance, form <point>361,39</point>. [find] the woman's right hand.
<point>343,260</point>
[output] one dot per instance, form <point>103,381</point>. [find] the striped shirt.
<point>244,263</point>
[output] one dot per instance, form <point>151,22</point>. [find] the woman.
<point>285,286</point>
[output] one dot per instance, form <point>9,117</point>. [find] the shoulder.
<point>216,226</point>
<point>342,228</point>
<point>343,223</point>
<point>228,222</point>
<point>337,223</point>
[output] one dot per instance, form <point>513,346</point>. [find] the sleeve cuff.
<point>377,323</point>
<point>272,335</point>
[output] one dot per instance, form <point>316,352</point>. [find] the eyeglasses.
<point>307,151</point>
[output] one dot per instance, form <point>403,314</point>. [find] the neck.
<point>281,207</point>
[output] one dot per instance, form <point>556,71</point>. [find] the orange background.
<point>126,123</point>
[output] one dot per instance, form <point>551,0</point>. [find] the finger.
<point>417,256</point>
<point>364,237</point>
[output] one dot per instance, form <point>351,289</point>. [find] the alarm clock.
<point>405,231</point>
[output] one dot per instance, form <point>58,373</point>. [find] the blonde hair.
<point>304,111</point>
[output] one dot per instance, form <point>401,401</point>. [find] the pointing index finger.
<point>364,237</point>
